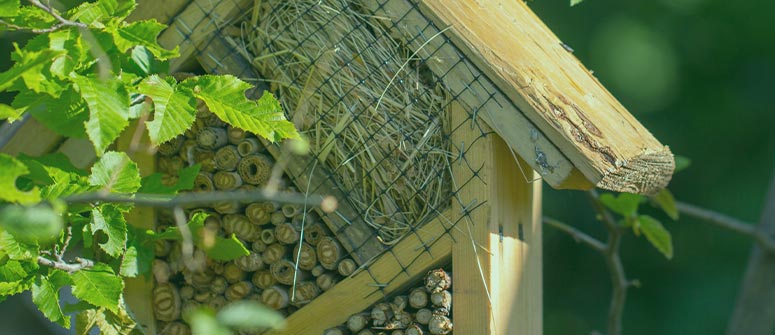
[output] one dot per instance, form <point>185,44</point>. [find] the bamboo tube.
<point>227,158</point>
<point>203,182</point>
<point>439,324</point>
<point>238,291</point>
<point>305,292</point>
<point>263,279</point>
<point>239,225</point>
<point>226,207</point>
<point>298,220</point>
<point>161,248</point>
<point>356,322</point>
<point>249,146</point>
<point>187,151</point>
<point>437,280</point>
<point>414,330</point>
<point>275,297</point>
<point>203,296</point>
<point>423,316</point>
<point>334,331</point>
<point>313,233</point>
<point>215,266</point>
<point>381,314</point>
<point>398,332</point>
<point>219,285</point>
<point>212,120</point>
<point>258,246</point>
<point>189,306</point>
<point>346,267</point>
<point>400,302</point>
<point>232,273</point>
<point>366,332</point>
<point>250,263</point>
<point>329,251</point>
<point>225,180</point>
<point>213,222</point>
<point>211,138</point>
<point>175,328</point>
<point>283,271</point>
<point>277,218</point>
<point>171,147</point>
<point>401,319</point>
<point>418,298</point>
<point>235,135</point>
<point>442,299</point>
<point>166,302</point>
<point>290,210</point>
<point>255,169</point>
<point>273,253</point>
<point>259,212</point>
<point>199,279</point>
<point>307,258</point>
<point>267,236</point>
<point>286,234</point>
<point>217,302</point>
<point>186,292</point>
<point>318,270</point>
<point>161,271</point>
<point>206,158</point>
<point>170,164</point>
<point>326,281</point>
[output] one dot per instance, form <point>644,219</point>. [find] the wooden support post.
<point>33,138</point>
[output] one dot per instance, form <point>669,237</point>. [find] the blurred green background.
<point>700,74</point>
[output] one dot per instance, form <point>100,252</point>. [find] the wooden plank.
<point>396,270</point>
<point>162,11</point>
<point>555,91</point>
<point>221,55</point>
<point>197,24</point>
<point>80,151</point>
<point>33,139</point>
<point>466,83</point>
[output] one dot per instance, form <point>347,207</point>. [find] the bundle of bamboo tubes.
<point>423,309</point>
<point>285,269</point>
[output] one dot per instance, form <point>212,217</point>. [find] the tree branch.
<point>64,266</point>
<point>52,12</point>
<point>578,235</point>
<point>721,220</point>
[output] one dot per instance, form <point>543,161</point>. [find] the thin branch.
<point>52,12</point>
<point>721,220</point>
<point>64,266</point>
<point>203,198</point>
<point>578,235</point>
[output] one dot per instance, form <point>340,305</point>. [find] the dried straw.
<point>372,114</point>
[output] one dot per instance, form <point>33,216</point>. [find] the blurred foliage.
<point>699,74</point>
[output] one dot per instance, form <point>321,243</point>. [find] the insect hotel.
<point>433,123</point>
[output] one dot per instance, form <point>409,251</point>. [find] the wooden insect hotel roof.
<point>513,105</point>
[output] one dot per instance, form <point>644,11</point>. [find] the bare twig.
<point>765,242</point>
<point>578,235</point>
<point>64,266</point>
<point>62,21</point>
<point>187,247</point>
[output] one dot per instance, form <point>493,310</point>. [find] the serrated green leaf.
<point>32,225</point>
<point>142,33</point>
<point>681,163</point>
<point>12,271</point>
<point>31,17</point>
<point>45,295</point>
<point>108,103</point>
<point>225,97</point>
<point>656,233</point>
<point>152,184</point>
<point>76,51</point>
<point>250,315</point>
<point>16,250</point>
<point>15,287</point>
<point>56,175</point>
<point>139,254</point>
<point>143,63</point>
<point>666,201</point>
<point>203,322</point>
<point>40,80</point>
<point>9,8</point>
<point>65,115</point>
<point>10,170</point>
<point>111,222</point>
<point>10,113</point>
<point>116,172</point>
<point>625,204</point>
<point>174,111</point>
<point>98,286</point>
<point>101,12</point>
<point>29,67</point>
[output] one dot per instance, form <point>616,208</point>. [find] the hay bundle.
<point>374,116</point>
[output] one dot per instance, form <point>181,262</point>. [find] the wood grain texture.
<point>556,92</point>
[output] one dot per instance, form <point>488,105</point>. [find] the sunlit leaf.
<point>101,11</point>
<point>111,222</point>
<point>9,8</point>
<point>99,286</point>
<point>108,103</point>
<point>65,115</point>
<point>224,249</point>
<point>174,111</point>
<point>203,322</point>
<point>17,250</point>
<point>32,225</point>
<point>656,233</point>
<point>116,172</point>
<point>45,295</point>
<point>143,33</point>
<point>28,66</point>
<point>10,113</point>
<point>153,183</point>
<point>625,204</point>
<point>250,315</point>
<point>10,170</point>
<point>666,201</point>
<point>575,2</point>
<point>139,254</point>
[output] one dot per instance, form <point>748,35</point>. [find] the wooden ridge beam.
<point>556,92</point>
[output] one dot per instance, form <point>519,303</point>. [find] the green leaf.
<point>575,2</point>
<point>681,163</point>
<point>9,8</point>
<point>250,315</point>
<point>657,235</point>
<point>108,322</point>
<point>45,295</point>
<point>139,254</point>
<point>12,271</point>
<point>666,201</point>
<point>224,249</point>
<point>108,103</point>
<point>10,113</point>
<point>203,322</point>
<point>56,175</point>
<point>102,11</point>
<point>174,111</point>
<point>32,225</point>
<point>142,33</point>
<point>77,52</point>
<point>99,286</point>
<point>153,184</point>
<point>143,63</point>
<point>65,115</point>
<point>225,97</point>
<point>17,250</point>
<point>15,287</point>
<point>31,17</point>
<point>625,204</point>
<point>29,67</point>
<point>10,170</point>
<point>116,172</point>
<point>16,277</point>
<point>110,221</point>
<point>41,80</point>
